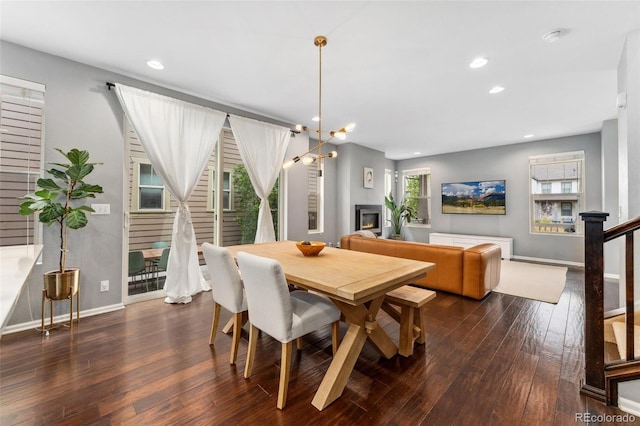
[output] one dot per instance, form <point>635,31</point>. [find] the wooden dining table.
<point>356,282</point>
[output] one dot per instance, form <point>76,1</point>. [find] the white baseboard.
<point>559,262</point>
<point>61,318</point>
<point>614,277</point>
<point>629,406</point>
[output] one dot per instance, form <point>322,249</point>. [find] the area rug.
<point>532,281</point>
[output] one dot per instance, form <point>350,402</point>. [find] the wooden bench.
<point>410,300</point>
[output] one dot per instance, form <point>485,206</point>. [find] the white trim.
<point>283,200</point>
<point>61,318</point>
<point>559,262</point>
<point>25,84</point>
<point>135,189</point>
<point>629,406</point>
<point>557,154</point>
<point>422,171</point>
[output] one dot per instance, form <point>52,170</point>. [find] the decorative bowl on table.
<point>310,248</point>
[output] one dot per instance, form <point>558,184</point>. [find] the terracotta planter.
<point>61,285</point>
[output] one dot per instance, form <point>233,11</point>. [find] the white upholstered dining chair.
<point>285,316</point>
<point>227,291</point>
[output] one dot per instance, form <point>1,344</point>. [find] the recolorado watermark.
<point>604,418</point>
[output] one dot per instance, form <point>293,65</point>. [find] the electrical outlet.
<point>104,285</point>
<point>101,208</point>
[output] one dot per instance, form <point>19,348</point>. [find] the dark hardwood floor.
<point>500,361</point>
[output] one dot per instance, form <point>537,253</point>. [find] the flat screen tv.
<point>479,197</point>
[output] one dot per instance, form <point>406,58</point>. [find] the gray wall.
<point>297,180</point>
<point>511,163</point>
<point>82,113</point>
<point>352,159</point>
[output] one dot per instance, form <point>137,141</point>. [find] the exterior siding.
<point>145,228</point>
<point>21,138</point>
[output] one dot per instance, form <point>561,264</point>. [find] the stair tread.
<point>619,330</point>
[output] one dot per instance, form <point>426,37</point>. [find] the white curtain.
<point>178,138</point>
<point>262,147</point>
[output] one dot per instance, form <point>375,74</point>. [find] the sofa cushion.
<point>446,276</point>
<point>471,272</point>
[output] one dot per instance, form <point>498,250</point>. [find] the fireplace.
<point>369,218</point>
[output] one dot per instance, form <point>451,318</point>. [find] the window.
<point>416,187</point>
<point>388,188</point>
<point>227,190</point>
<point>21,156</point>
<point>149,193</point>
<point>557,193</point>
<point>315,195</point>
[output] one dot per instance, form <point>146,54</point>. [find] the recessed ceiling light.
<point>316,118</point>
<point>478,62</point>
<point>416,153</point>
<point>553,36</point>
<point>156,65</point>
<point>496,89</point>
<point>528,136</point>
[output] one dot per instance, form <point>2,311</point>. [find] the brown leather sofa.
<point>471,272</point>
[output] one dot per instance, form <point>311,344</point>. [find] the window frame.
<point>33,93</point>
<point>135,192</point>
<point>313,167</point>
<point>546,210</point>
<point>428,196</point>
<point>388,188</point>
<point>211,189</point>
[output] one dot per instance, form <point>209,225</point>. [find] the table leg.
<point>377,336</point>
<point>362,325</point>
<point>335,379</point>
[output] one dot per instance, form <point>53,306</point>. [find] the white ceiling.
<point>399,69</point>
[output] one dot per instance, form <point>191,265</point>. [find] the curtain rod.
<point>293,132</point>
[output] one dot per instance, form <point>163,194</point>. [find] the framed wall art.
<point>478,197</point>
<point>368,177</point>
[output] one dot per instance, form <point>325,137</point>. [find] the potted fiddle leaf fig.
<point>60,200</point>
<point>400,214</point>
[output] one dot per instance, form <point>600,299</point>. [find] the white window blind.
<point>21,156</point>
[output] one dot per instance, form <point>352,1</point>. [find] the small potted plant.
<point>400,214</point>
<point>61,203</point>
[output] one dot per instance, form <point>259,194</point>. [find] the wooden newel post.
<point>594,384</point>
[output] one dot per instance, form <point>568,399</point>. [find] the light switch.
<point>101,208</point>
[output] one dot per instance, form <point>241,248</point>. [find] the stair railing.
<point>601,380</point>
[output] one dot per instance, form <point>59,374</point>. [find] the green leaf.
<point>58,174</point>
<point>48,184</point>
<point>51,213</point>
<point>76,219</point>
<point>26,208</point>
<point>85,208</point>
<point>79,171</point>
<point>96,189</point>
<point>45,194</point>
<point>77,157</point>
